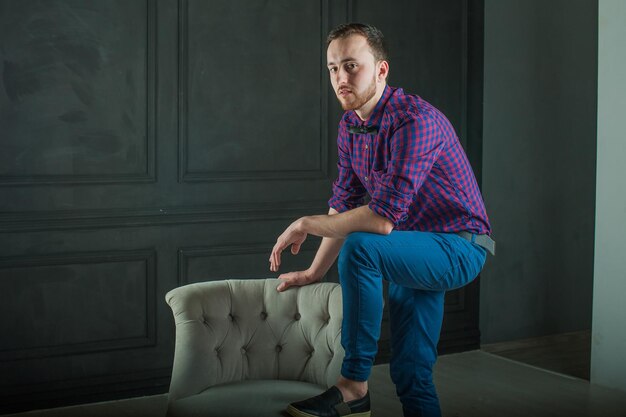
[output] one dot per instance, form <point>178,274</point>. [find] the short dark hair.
<point>373,35</point>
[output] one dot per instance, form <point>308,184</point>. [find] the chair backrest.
<point>236,330</point>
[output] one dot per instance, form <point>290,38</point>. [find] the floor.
<point>470,384</point>
<point>565,353</point>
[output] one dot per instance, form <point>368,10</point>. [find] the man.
<point>425,229</point>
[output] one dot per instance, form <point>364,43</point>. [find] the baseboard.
<point>20,399</point>
<point>533,342</point>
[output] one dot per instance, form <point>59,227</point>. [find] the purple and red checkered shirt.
<point>414,168</point>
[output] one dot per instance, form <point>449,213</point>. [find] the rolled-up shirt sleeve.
<point>348,191</point>
<point>414,148</point>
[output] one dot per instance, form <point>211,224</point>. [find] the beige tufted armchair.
<point>244,349</point>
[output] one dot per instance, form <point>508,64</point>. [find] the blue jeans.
<point>420,268</point>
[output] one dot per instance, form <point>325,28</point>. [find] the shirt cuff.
<point>339,205</point>
<point>391,205</point>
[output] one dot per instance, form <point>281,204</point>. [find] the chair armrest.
<point>195,361</point>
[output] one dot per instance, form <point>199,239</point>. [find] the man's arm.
<point>332,226</point>
<point>360,219</point>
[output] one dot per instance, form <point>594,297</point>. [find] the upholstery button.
<point>279,348</point>
<point>297,316</point>
<point>243,350</point>
<point>263,315</point>
<point>231,317</point>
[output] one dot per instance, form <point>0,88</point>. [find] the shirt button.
<point>365,178</point>
<point>366,147</point>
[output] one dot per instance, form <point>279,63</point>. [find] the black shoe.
<point>330,404</point>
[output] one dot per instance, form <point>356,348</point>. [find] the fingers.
<point>275,257</point>
<point>295,248</point>
<point>289,237</point>
<point>285,283</point>
<point>288,280</point>
<point>282,286</point>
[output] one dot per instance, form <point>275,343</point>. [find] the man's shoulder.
<point>406,109</point>
<point>403,107</point>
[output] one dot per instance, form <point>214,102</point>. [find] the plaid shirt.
<point>414,168</point>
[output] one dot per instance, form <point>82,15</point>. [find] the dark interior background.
<point>148,144</point>
<point>539,166</point>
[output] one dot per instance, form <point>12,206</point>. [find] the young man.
<point>425,229</point>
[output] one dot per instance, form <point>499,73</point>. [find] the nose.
<point>342,76</point>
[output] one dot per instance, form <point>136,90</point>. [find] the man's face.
<point>352,70</point>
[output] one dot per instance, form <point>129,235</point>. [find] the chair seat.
<point>260,398</point>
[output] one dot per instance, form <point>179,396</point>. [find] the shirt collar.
<point>377,115</point>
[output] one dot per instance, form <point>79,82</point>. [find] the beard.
<point>357,100</point>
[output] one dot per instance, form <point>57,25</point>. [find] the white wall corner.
<point>608,350</point>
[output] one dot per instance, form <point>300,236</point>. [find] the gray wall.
<point>150,144</point>
<point>145,145</point>
<point>608,366</point>
<point>539,166</point>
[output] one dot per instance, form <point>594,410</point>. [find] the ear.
<point>382,70</point>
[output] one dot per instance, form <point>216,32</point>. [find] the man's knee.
<point>354,248</point>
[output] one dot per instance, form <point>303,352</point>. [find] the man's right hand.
<point>296,279</point>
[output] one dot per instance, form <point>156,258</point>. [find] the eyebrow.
<point>342,61</point>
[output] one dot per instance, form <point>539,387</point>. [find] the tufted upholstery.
<point>243,333</point>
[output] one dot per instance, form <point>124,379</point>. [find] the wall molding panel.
<point>105,219</point>
<point>47,298</point>
<point>74,67</point>
<point>295,171</point>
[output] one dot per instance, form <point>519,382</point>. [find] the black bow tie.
<point>363,130</point>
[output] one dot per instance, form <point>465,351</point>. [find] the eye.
<point>332,70</point>
<point>351,66</point>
